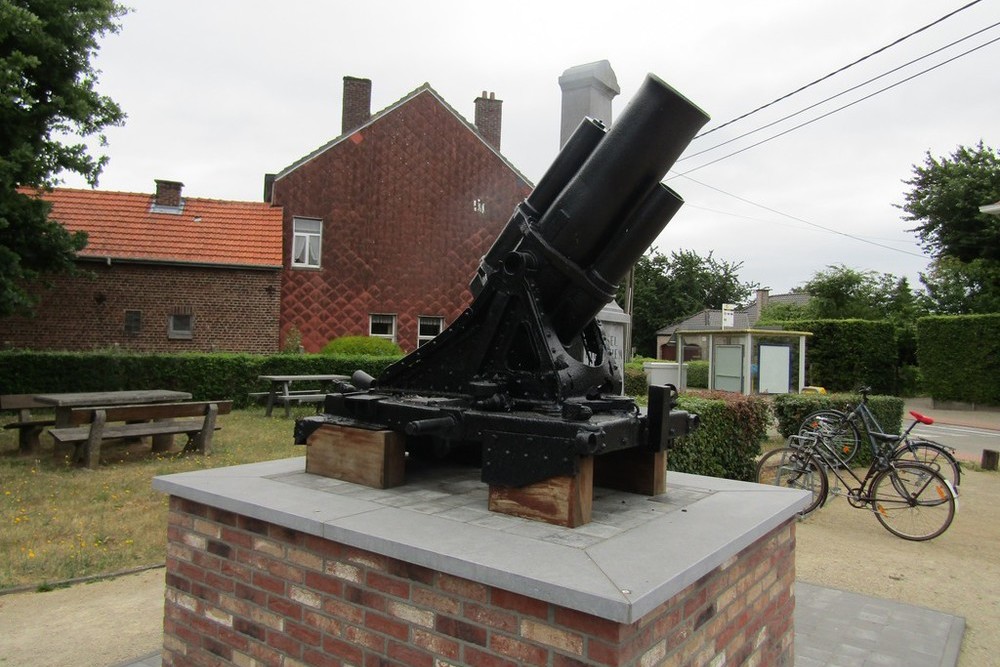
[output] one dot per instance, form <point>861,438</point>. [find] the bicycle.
<point>840,428</point>
<point>909,499</point>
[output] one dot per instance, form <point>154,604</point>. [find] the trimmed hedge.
<point>843,355</point>
<point>728,441</point>
<point>697,374</point>
<point>205,376</point>
<point>959,357</point>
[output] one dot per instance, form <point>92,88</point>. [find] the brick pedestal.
<point>335,574</point>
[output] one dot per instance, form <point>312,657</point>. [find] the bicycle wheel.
<point>933,455</point>
<point>912,501</point>
<point>788,467</point>
<point>836,430</point>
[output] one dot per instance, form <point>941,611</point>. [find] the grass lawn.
<point>60,522</point>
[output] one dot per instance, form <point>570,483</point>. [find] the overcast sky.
<point>219,92</point>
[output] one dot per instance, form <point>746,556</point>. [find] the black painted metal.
<point>525,372</point>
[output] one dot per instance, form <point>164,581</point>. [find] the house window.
<point>180,326</point>
<point>382,326</point>
<point>427,328</point>
<point>133,323</point>
<point>307,233</point>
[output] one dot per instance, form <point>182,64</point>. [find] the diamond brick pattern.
<point>401,234</point>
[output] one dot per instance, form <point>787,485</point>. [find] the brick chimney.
<point>168,193</point>
<point>488,115</point>
<point>587,90</point>
<point>357,103</point>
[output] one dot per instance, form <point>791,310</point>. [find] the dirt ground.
<point>109,622</point>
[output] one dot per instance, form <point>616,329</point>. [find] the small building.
<point>160,273</point>
<point>695,346</point>
<point>384,226</point>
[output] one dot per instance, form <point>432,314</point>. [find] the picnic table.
<point>65,403</point>
<point>281,389</point>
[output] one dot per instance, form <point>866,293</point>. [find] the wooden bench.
<point>29,429</point>
<point>294,396</point>
<point>92,425</point>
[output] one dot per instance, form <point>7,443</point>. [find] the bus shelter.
<point>751,361</point>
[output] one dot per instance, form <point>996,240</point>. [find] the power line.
<point>803,220</point>
<point>838,71</point>
<point>840,108</point>
<point>840,94</point>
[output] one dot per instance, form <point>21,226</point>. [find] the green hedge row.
<point>959,357</point>
<point>205,376</point>
<point>728,441</point>
<point>843,355</point>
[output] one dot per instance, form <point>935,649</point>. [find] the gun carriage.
<point>525,373</point>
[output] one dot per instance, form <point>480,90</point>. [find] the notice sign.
<point>728,315</point>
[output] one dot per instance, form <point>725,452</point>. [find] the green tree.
<point>671,288</point>
<point>957,288</point>
<point>944,200</point>
<point>48,105</point>
<point>840,293</point>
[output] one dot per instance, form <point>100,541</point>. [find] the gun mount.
<point>525,371</point>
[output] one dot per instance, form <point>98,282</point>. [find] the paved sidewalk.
<point>838,628</point>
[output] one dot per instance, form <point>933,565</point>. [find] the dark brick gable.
<point>409,203</point>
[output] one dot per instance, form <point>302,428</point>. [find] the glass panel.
<point>382,325</point>
<point>305,226</point>
<point>299,250</point>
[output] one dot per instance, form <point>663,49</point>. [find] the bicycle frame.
<point>819,448</point>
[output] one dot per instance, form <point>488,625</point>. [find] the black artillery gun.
<point>525,372</point>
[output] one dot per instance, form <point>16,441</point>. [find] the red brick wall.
<point>401,234</point>
<point>234,310</point>
<point>240,589</point>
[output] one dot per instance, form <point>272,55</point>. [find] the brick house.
<point>384,226</point>
<point>161,273</point>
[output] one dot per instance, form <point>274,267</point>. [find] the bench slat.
<point>31,424</point>
<point>79,416</point>
<point>81,433</point>
<point>20,402</point>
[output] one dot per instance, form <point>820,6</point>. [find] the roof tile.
<point>123,225</point>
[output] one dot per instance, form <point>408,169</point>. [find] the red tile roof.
<point>126,225</point>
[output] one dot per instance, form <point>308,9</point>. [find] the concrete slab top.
<point>635,554</point>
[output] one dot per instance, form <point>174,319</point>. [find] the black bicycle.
<point>841,430</point>
<point>909,499</point>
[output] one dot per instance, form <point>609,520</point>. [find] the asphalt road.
<point>967,440</point>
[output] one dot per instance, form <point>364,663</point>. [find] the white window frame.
<point>391,320</point>
<point>308,240</point>
<point>423,338</point>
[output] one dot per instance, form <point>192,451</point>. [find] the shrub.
<point>376,347</point>
<point>727,442</point>
<point>635,381</point>
<point>697,374</point>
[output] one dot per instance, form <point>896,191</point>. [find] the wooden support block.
<point>563,501</point>
<point>372,458</point>
<point>632,470</point>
